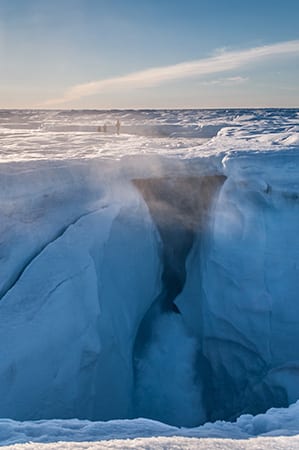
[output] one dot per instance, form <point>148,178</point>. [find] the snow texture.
<point>282,423</point>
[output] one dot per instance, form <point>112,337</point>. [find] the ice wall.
<point>241,294</point>
<point>162,290</point>
<point>69,319</point>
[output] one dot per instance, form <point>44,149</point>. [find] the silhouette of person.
<point>117,126</point>
<point>99,128</point>
<point>105,128</point>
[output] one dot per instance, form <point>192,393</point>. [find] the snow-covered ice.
<point>36,135</point>
<point>154,273</point>
<point>278,428</point>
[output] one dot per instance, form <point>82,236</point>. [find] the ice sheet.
<point>67,196</point>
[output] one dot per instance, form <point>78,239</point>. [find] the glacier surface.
<point>152,273</point>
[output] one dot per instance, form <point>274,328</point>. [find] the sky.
<point>149,53</point>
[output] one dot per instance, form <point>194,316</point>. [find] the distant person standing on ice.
<point>117,126</point>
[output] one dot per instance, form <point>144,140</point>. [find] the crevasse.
<point>172,297</point>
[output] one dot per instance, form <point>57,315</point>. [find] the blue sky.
<point>131,54</point>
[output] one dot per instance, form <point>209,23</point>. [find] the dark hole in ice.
<point>180,210</point>
<point>174,381</point>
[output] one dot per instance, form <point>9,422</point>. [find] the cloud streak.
<point>228,81</point>
<point>222,62</point>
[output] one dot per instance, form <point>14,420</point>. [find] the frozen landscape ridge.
<point>149,274</point>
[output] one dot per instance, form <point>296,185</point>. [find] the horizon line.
<point>149,109</point>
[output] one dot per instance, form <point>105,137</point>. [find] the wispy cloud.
<point>223,61</point>
<point>227,81</point>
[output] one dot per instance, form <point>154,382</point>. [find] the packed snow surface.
<point>278,429</point>
<point>152,273</point>
<point>31,135</point>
